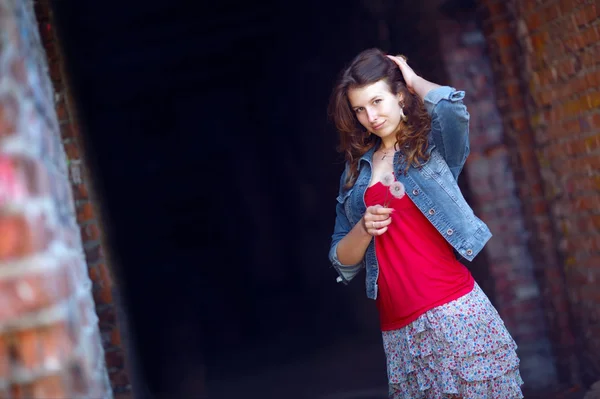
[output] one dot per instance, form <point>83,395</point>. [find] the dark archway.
<point>206,131</point>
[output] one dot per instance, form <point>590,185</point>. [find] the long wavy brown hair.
<point>368,67</point>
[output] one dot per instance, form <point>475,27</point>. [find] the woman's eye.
<point>357,110</point>
<point>378,101</point>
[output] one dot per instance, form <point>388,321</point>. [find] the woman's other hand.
<point>377,219</point>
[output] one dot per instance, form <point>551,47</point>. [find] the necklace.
<point>388,152</point>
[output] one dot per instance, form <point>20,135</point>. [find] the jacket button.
<point>469,252</point>
<point>432,211</point>
<point>449,232</point>
<point>415,192</point>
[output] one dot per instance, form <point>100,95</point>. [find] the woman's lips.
<point>375,127</point>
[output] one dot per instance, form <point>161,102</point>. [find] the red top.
<point>417,267</point>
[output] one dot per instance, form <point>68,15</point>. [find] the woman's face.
<point>377,108</point>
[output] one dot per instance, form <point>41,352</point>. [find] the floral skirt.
<point>460,349</point>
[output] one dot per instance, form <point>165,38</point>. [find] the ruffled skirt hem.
<point>461,348</point>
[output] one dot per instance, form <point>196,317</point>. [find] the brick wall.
<point>50,346</point>
<point>102,283</point>
<point>546,58</point>
<point>493,192</point>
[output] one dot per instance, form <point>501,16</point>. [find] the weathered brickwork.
<point>86,213</point>
<point>546,63</point>
<point>50,345</point>
<point>493,191</point>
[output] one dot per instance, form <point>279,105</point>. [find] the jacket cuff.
<point>441,93</point>
<point>346,273</point>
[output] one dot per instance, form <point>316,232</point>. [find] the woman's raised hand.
<point>407,72</point>
<point>377,219</point>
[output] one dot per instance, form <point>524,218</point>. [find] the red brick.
<point>592,78</point>
<point>85,212</point>
<point>534,21</point>
<point>34,174</point>
<point>33,292</point>
<point>500,26</point>
<point>66,128</point>
<point>72,151</point>
<point>29,353</point>
<point>80,192</point>
<point>20,392</point>
<point>580,40</point>
<point>590,36</point>
<point>505,40</point>
<point>107,316</point>
<point>593,100</point>
<point>49,387</point>
<point>592,262</point>
<point>566,6</point>
<point>119,378</point>
<point>94,255</point>
<point>90,232</point>
<point>585,15</point>
<point>4,359</point>
<point>56,343</point>
<point>94,273</point>
<point>539,207</point>
<point>19,71</point>
<point>18,238</point>
<point>7,120</point>
<point>587,203</point>
<point>592,143</point>
<point>103,294</point>
<point>115,337</point>
<point>114,359</point>
<point>538,41</point>
<point>55,72</point>
<point>551,12</point>
<point>61,111</point>
<point>106,275</point>
<point>497,8</point>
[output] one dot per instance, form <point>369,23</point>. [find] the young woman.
<point>441,335</point>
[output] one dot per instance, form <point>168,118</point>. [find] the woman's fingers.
<point>370,217</point>
<point>377,227</point>
<point>378,224</point>
<point>380,231</point>
<point>384,211</point>
<point>379,210</point>
<point>382,223</point>
<point>407,72</point>
<point>398,60</point>
<point>377,219</point>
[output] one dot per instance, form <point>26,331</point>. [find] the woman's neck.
<point>387,145</point>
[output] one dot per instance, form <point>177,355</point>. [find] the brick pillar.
<point>102,282</point>
<point>491,179</point>
<point>50,346</point>
<point>545,57</point>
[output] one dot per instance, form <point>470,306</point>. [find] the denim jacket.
<point>433,188</point>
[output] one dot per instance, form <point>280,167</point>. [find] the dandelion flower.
<point>387,179</point>
<point>397,189</point>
